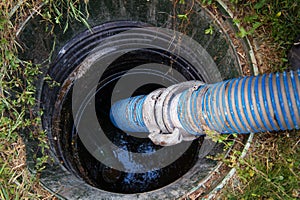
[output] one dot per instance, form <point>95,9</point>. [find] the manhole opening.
<point>74,154</point>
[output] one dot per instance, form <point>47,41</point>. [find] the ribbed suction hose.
<point>187,110</point>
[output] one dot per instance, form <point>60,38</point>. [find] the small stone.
<point>294,55</point>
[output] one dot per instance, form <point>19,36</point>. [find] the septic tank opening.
<point>75,156</point>
<point>135,66</point>
<point>75,172</point>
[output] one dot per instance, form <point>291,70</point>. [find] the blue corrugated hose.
<point>243,105</point>
<point>129,114</point>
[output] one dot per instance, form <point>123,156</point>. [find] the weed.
<point>276,20</point>
<point>271,170</point>
<point>52,83</point>
<point>208,2</point>
<point>55,11</point>
<point>209,30</point>
<point>17,95</point>
<point>183,16</point>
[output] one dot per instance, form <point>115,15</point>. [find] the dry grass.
<point>15,180</point>
<point>271,169</point>
<point>17,96</point>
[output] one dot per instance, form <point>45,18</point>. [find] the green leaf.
<point>280,178</point>
<point>255,195</point>
<point>260,4</point>
<point>84,22</point>
<point>242,33</point>
<point>4,193</point>
<point>209,30</point>
<point>56,10</point>
<point>256,25</point>
<point>251,173</point>
<point>278,14</point>
<point>57,19</point>
<point>181,1</point>
<point>182,16</point>
<point>4,41</point>
<point>250,18</point>
<point>236,21</point>
<point>66,27</point>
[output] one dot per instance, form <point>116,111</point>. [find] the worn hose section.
<point>269,102</point>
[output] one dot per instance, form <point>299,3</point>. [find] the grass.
<point>17,97</point>
<point>271,169</point>
<point>274,24</point>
